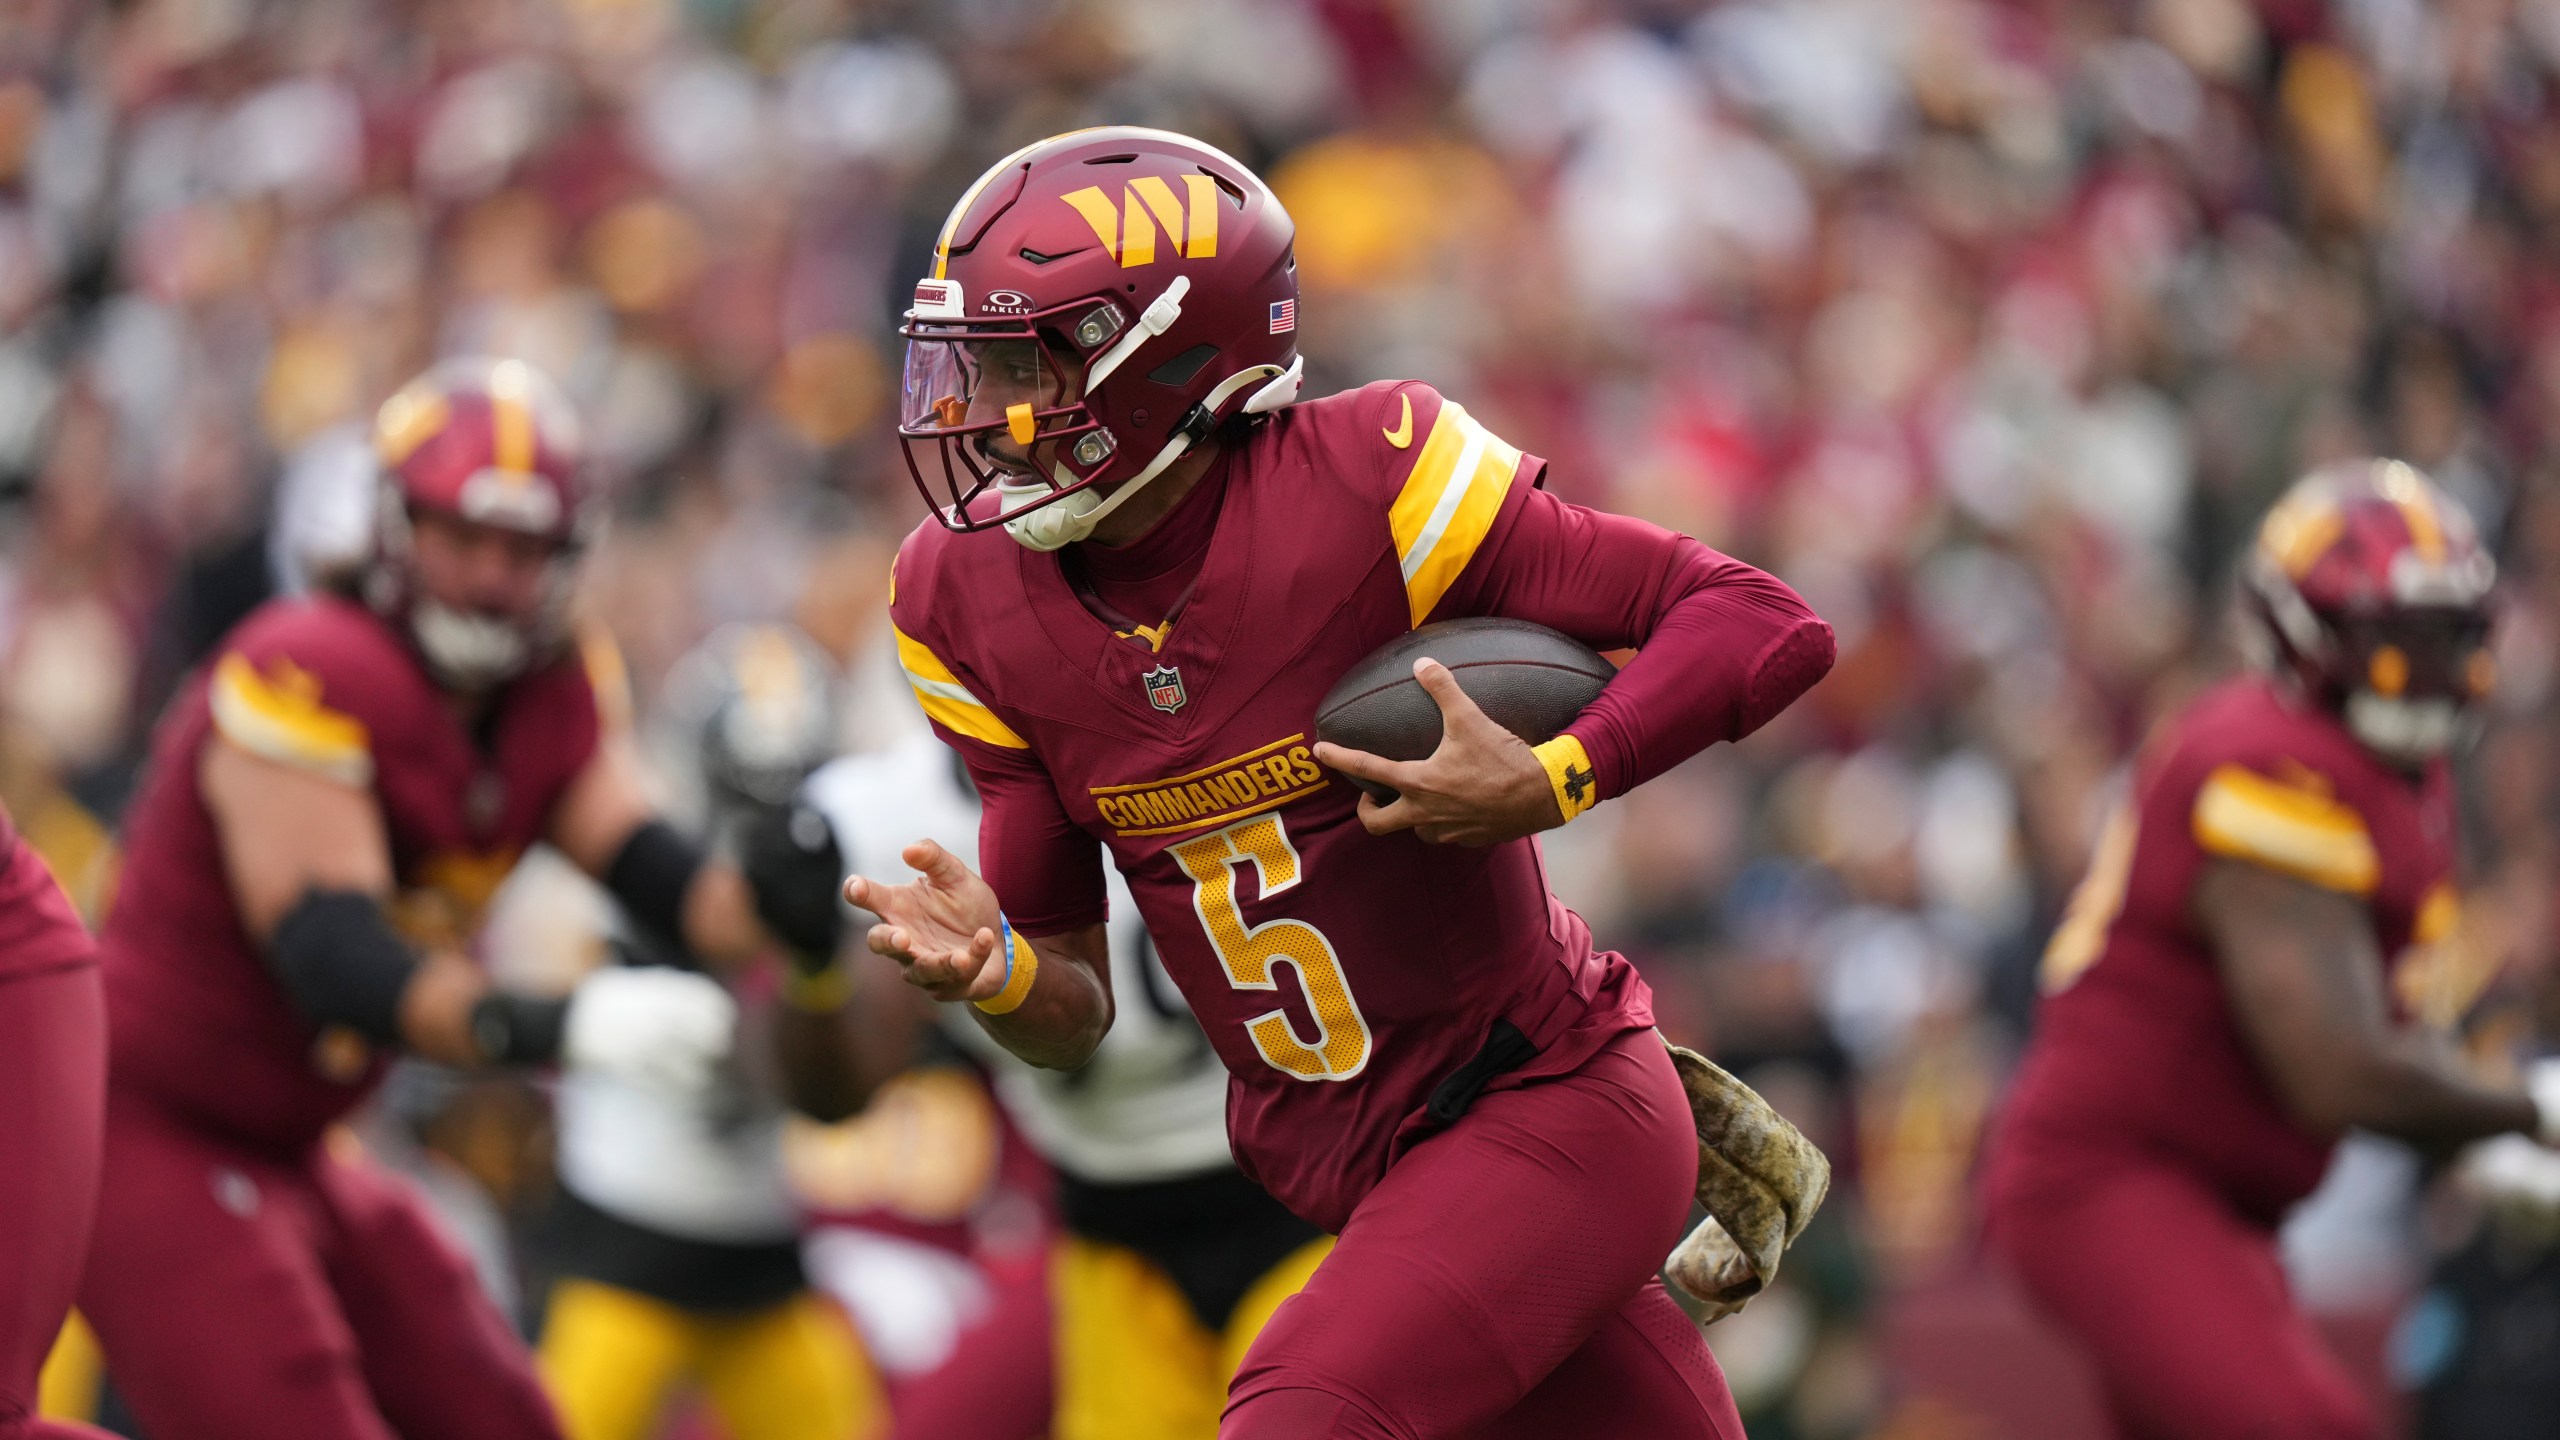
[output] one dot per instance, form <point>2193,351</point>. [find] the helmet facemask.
<point>2421,675</point>
<point>467,651</point>
<point>490,444</point>
<point>2407,679</point>
<point>1002,406</point>
<point>1154,277</point>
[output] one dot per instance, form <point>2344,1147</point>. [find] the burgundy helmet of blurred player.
<point>2369,588</point>
<point>493,442</point>
<point>1125,290</point>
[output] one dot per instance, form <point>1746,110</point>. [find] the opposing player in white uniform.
<point>675,1234</point>
<point>1171,1260</point>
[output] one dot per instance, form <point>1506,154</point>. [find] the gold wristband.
<point>1569,773</point>
<point>822,993</point>
<point>1021,968</point>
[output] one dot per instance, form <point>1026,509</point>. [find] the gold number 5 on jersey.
<point>2082,937</point>
<point>1341,1049</point>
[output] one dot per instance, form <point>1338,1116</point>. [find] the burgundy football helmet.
<point>2368,587</point>
<point>493,442</point>
<point>1099,302</point>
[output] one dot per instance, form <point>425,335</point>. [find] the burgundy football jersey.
<point>197,1020</point>
<point>2136,1043</point>
<point>1341,976</point>
<point>39,930</point>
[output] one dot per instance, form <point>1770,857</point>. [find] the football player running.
<point>342,761</point>
<point>1172,1262</point>
<point>53,1089</point>
<point>674,1231</point>
<point>1427,1056</point>
<point>2218,1001</point>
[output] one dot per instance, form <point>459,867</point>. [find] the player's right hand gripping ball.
<point>1759,1179</point>
<point>1528,679</point>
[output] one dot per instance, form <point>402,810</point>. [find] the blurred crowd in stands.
<point>1991,325</point>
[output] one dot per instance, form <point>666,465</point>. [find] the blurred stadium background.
<point>1991,325</point>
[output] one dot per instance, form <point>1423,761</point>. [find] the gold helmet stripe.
<point>2417,509</point>
<point>511,418</point>
<point>2301,529</point>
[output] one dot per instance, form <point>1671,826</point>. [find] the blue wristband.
<point>1021,972</point>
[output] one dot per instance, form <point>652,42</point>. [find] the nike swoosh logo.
<point>1402,436</point>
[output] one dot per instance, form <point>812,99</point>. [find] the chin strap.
<point>467,652</point>
<point>2412,732</point>
<point>1063,522</point>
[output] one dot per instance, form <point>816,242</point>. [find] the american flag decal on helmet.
<point>1284,316</point>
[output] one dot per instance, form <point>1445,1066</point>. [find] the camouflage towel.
<point>1759,1179</point>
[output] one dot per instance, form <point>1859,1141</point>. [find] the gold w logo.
<point>1128,230</point>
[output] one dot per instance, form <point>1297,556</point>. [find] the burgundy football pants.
<point>243,1297</point>
<point>1499,1283</point>
<point>53,1086</point>
<point>2179,1299</point>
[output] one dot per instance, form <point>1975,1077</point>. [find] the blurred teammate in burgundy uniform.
<point>53,1083</point>
<point>2218,998</point>
<point>330,804</point>
<point>1428,1057</point>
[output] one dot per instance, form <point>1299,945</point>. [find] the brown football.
<point>1529,679</point>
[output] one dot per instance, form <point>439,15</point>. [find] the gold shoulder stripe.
<point>279,717</point>
<point>2246,816</point>
<point>1448,503</point>
<point>947,700</point>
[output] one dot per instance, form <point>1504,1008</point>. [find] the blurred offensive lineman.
<point>2218,998</point>
<point>1172,1262</point>
<point>341,760</point>
<point>1427,1057</point>
<point>674,1232</point>
<point>53,1083</point>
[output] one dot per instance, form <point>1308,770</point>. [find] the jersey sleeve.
<point>1721,646</point>
<point>294,693</point>
<point>2290,821</point>
<point>1447,501</point>
<point>1047,872</point>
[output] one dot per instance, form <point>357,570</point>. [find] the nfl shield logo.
<point>1164,688</point>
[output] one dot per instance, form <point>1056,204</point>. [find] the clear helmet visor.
<point>958,381</point>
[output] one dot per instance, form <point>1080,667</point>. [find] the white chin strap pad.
<point>1064,522</point>
<point>1053,526</point>
<point>2410,731</point>
<point>468,652</point>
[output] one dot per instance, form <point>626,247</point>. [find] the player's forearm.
<point>842,1033</point>
<point>435,1011</point>
<point>2412,1091</point>
<point>1720,646</point>
<point>1061,1018</point>
<point>821,1065</point>
<point>1733,646</point>
<point>719,916</point>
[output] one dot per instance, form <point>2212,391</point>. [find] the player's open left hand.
<point>1482,786</point>
<point>941,928</point>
